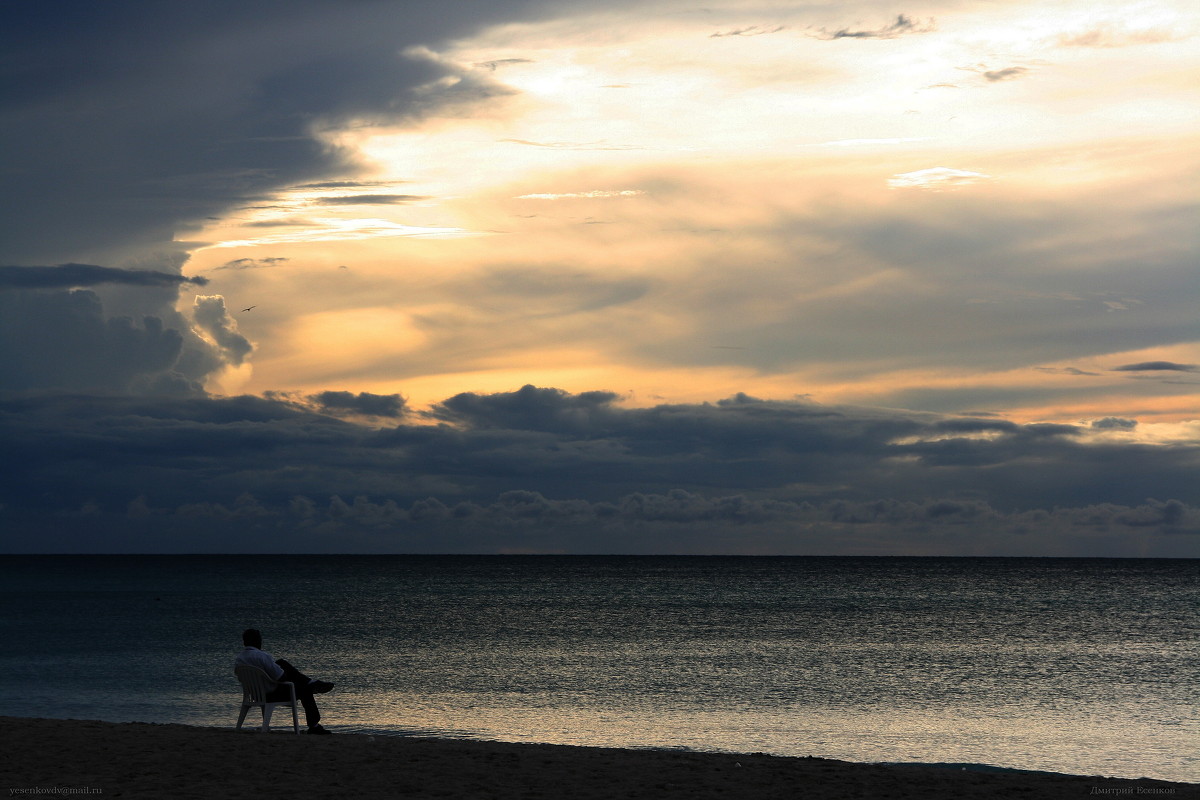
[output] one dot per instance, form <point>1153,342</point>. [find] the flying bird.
<point>249,307</point>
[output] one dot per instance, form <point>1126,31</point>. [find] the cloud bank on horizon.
<point>952,248</point>
<point>542,470</point>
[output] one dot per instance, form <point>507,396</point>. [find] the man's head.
<point>252,637</point>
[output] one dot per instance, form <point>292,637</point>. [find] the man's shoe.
<point>320,687</point>
<point>317,730</point>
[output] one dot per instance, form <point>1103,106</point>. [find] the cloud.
<point>902,26</point>
<point>503,62</point>
<point>126,139</point>
<point>1117,35</point>
<point>343,230</point>
<point>1006,74</point>
<point>1157,366</point>
<point>375,405</point>
<point>529,408</point>
<point>523,509</point>
<point>1114,423</point>
<point>62,341</point>
<point>343,404</point>
<point>253,263</point>
<point>600,145</point>
<point>344,184</point>
<point>66,276</point>
<point>286,222</point>
<point>579,471</point>
<point>861,142</point>
<point>596,194</point>
<point>122,333</point>
<point>1066,371</point>
<point>997,75</point>
<point>370,199</point>
<point>936,178</point>
<point>213,319</point>
<point>751,30</point>
<point>132,136</point>
<point>863,289</point>
<point>550,294</point>
<point>829,282</point>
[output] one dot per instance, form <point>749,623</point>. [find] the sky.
<point>524,276</point>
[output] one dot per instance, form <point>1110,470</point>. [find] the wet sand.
<point>73,757</point>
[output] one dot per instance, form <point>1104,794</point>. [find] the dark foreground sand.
<point>43,756</point>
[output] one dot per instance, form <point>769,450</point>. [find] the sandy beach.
<point>44,756</point>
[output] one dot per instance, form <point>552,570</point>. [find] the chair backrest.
<point>255,683</point>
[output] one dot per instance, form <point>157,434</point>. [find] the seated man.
<point>281,670</point>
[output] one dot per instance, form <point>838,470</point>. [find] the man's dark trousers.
<point>312,715</point>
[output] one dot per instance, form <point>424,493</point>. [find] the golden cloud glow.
<point>936,178</point>
<point>754,205</point>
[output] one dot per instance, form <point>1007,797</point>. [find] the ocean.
<point>1085,666</point>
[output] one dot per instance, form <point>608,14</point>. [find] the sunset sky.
<point>529,276</point>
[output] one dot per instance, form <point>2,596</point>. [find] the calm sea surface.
<point>1086,666</point>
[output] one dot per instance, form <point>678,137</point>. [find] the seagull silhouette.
<point>248,308</point>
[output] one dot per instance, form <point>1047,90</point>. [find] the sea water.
<point>1086,666</point>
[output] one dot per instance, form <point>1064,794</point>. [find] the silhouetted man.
<point>253,656</point>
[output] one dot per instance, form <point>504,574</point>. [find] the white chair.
<point>256,686</point>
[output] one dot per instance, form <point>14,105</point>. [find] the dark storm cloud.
<point>121,334</point>
<point>1157,366</point>
<point>902,26</point>
<point>69,276</point>
<point>65,341</point>
<point>545,468</point>
<point>132,118</point>
<point>377,405</point>
<point>530,408</point>
<point>62,341</point>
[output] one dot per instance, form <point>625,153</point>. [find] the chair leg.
<point>242,716</point>
<point>295,720</point>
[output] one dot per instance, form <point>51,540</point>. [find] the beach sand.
<point>44,756</point>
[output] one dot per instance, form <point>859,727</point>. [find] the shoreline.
<point>139,759</point>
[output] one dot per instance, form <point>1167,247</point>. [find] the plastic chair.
<point>256,687</point>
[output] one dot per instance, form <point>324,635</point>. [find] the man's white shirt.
<point>253,657</point>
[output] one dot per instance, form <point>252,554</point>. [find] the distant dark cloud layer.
<point>543,470</point>
<point>65,276</point>
<point>1157,366</point>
